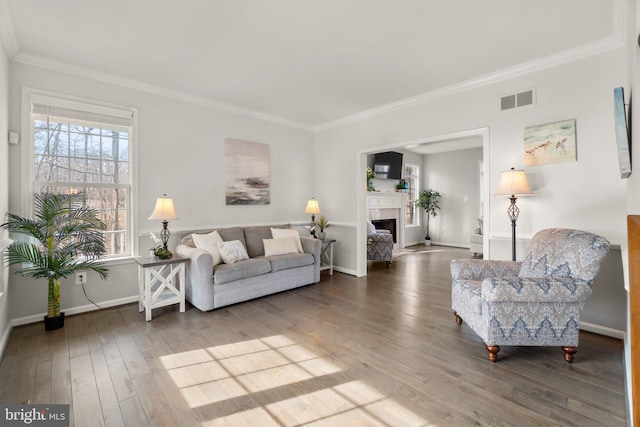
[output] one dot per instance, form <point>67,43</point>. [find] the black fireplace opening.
<point>386,224</point>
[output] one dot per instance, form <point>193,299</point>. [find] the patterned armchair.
<point>536,302</point>
<point>379,245</point>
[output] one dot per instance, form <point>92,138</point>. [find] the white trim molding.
<point>34,318</point>
<point>616,40</point>
<point>590,49</point>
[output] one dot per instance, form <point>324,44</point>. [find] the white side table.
<point>160,283</point>
<point>326,259</point>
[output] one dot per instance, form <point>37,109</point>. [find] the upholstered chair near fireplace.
<point>536,302</point>
<point>379,244</point>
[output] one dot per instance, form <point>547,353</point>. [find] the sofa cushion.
<point>187,239</point>
<point>232,233</point>
<point>282,233</point>
<point>232,251</point>
<point>227,234</point>
<point>253,237</point>
<point>209,242</point>
<point>283,246</point>
<point>285,262</point>
<point>225,273</point>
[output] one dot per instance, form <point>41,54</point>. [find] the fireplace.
<point>386,224</point>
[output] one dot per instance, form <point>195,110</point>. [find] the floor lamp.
<point>513,183</point>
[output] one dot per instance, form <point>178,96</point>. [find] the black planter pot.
<point>53,323</point>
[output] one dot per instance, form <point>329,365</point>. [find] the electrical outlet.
<point>81,277</point>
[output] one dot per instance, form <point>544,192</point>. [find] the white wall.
<point>587,194</point>
<point>181,153</point>
<point>4,192</point>
<point>455,176</point>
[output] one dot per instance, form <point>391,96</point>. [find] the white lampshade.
<point>164,209</point>
<point>312,207</point>
<point>513,183</point>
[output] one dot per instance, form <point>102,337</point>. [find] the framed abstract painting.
<point>246,172</point>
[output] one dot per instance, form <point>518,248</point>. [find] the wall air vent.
<point>516,100</point>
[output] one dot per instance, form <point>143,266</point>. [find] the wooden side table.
<point>161,282</point>
<point>326,259</point>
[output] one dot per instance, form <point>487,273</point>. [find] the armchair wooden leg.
<point>568,353</point>
<point>493,352</point>
<point>458,318</point>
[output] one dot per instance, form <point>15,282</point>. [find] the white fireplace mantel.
<point>386,206</point>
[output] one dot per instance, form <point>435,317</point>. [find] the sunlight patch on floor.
<point>287,384</point>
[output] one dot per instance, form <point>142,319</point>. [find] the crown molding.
<point>559,58</point>
<point>53,65</point>
<point>595,48</point>
<point>616,40</point>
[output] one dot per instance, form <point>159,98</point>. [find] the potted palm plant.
<point>428,200</point>
<point>64,237</point>
<point>322,223</point>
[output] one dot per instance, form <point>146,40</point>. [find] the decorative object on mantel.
<point>322,223</point>
<point>246,173</point>
<point>513,183</point>
<point>428,200</point>
<point>164,211</point>
<point>370,176</point>
<point>550,143</point>
<point>312,208</point>
<point>68,238</point>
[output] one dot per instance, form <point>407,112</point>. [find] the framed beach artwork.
<point>246,166</point>
<point>550,143</point>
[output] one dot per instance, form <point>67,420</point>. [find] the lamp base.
<point>165,234</point>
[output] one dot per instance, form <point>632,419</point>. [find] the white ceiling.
<point>304,62</point>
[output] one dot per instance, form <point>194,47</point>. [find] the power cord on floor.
<point>89,299</point>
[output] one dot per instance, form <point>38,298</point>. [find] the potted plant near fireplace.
<point>63,237</point>
<point>428,200</point>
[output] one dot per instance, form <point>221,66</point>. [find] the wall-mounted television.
<point>622,132</point>
<point>388,165</point>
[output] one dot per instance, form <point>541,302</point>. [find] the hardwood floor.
<point>380,350</point>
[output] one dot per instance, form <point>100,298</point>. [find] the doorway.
<point>442,143</point>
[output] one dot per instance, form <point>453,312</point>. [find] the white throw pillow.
<point>209,242</point>
<point>370,227</point>
<point>280,233</point>
<point>281,246</point>
<point>232,251</point>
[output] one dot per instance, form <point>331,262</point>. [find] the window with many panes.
<point>86,149</point>
<point>411,176</point>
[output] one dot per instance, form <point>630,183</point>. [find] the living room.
<point>179,150</point>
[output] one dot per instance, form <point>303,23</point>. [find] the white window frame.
<point>417,191</point>
<point>32,96</point>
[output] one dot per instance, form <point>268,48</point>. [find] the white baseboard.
<point>603,330</point>
<point>345,270</point>
<point>5,340</point>
<point>451,245</point>
<point>74,310</point>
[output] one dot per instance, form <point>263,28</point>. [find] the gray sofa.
<point>209,286</point>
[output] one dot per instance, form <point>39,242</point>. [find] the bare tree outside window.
<point>90,158</point>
